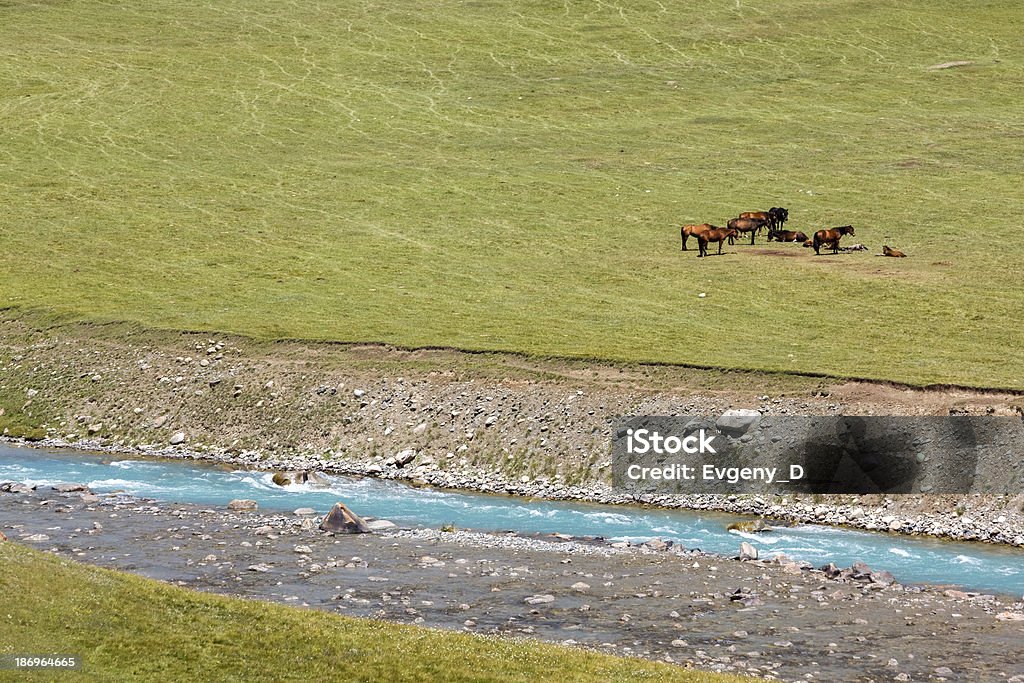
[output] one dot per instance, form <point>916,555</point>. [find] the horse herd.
<point>753,222</point>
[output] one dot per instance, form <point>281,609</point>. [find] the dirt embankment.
<point>485,421</point>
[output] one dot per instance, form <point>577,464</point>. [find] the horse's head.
<point>846,230</point>
<point>732,232</point>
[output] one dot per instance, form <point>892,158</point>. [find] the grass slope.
<point>128,627</point>
<point>506,175</point>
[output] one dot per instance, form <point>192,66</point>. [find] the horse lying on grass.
<point>786,236</point>
<point>831,237</point>
<point>895,253</point>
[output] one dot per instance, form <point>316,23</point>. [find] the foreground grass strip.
<point>128,627</point>
<point>504,175</point>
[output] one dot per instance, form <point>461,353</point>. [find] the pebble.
<point>539,599</point>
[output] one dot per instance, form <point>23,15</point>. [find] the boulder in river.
<point>243,505</point>
<point>341,520</point>
<point>289,478</point>
<point>750,526</point>
<point>747,551</point>
<point>311,477</point>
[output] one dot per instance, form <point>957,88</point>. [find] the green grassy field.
<point>513,175</point>
<point>129,628</point>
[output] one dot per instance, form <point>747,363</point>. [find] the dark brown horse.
<point>716,235</point>
<point>751,225</point>
<point>780,215</point>
<point>831,237</point>
<point>774,217</point>
<point>692,230</point>
<point>766,216</point>
<point>786,236</point>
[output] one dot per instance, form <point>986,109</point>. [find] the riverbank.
<point>145,630</point>
<point>484,422</point>
<point>763,618</point>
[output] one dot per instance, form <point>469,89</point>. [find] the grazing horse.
<point>895,253</point>
<point>831,237</point>
<point>716,235</point>
<point>751,225</point>
<point>786,236</point>
<point>692,230</point>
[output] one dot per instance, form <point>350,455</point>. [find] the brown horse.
<point>716,235</point>
<point>774,217</point>
<point>692,230</point>
<point>786,236</point>
<point>751,225</point>
<point>809,243</point>
<point>766,216</point>
<point>831,237</point>
<point>895,253</point>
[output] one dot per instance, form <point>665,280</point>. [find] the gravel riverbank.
<point>769,618</point>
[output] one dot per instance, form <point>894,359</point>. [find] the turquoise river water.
<point>911,559</point>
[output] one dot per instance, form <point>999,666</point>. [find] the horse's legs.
<point>720,243</point>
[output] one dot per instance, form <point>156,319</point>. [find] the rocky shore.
<point>771,618</point>
<point>482,422</point>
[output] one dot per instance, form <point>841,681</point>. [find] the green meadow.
<point>500,175</point>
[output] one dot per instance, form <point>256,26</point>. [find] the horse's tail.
<point>817,241</point>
